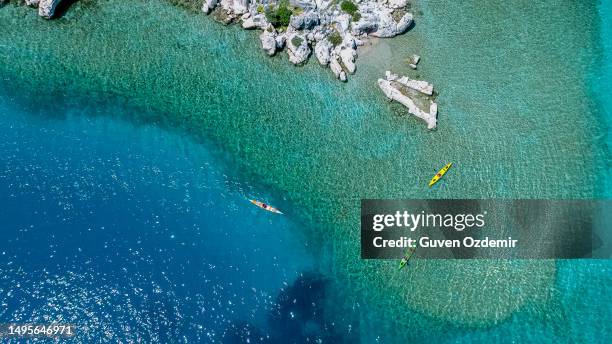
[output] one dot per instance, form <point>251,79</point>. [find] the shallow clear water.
<point>602,83</point>
<point>515,97</point>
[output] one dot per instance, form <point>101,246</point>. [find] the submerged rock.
<point>398,89</point>
<point>413,61</point>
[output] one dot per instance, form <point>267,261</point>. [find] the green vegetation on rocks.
<point>335,38</point>
<point>350,8</point>
<point>296,41</point>
<point>279,16</point>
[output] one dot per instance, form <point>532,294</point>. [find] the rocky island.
<point>331,28</point>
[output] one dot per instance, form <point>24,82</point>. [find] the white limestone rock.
<point>209,5</point>
<point>349,41</point>
<point>323,4</point>
<point>319,33</point>
<point>46,8</point>
<point>377,20</point>
<point>397,3</point>
<point>342,22</point>
<point>312,25</point>
<point>268,41</point>
<point>305,21</point>
<point>417,85</point>
<point>433,109</point>
<point>386,26</point>
<point>336,68</point>
<point>348,55</point>
<point>391,86</point>
<point>414,60</point>
<point>394,94</point>
<point>323,51</point>
<point>280,41</point>
<point>303,4</point>
<point>297,48</point>
<point>404,23</point>
<point>257,21</point>
<point>237,7</point>
<point>32,3</point>
<point>364,26</point>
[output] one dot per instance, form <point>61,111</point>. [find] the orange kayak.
<point>264,206</point>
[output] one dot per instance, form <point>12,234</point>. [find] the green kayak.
<point>406,258</point>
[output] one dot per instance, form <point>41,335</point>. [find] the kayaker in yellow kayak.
<point>440,173</point>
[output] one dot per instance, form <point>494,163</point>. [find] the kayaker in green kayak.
<point>406,257</point>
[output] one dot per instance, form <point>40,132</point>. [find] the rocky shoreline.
<point>332,29</point>
<point>46,8</point>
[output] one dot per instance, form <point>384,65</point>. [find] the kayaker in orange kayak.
<point>265,206</point>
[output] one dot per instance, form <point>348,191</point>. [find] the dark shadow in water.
<point>299,316</point>
<point>243,332</point>
<point>63,7</point>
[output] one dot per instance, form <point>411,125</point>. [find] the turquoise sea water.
<point>517,84</point>
<point>603,82</point>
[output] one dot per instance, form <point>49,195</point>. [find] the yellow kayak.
<point>264,206</point>
<point>440,174</point>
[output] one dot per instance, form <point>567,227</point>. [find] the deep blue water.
<point>136,233</point>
